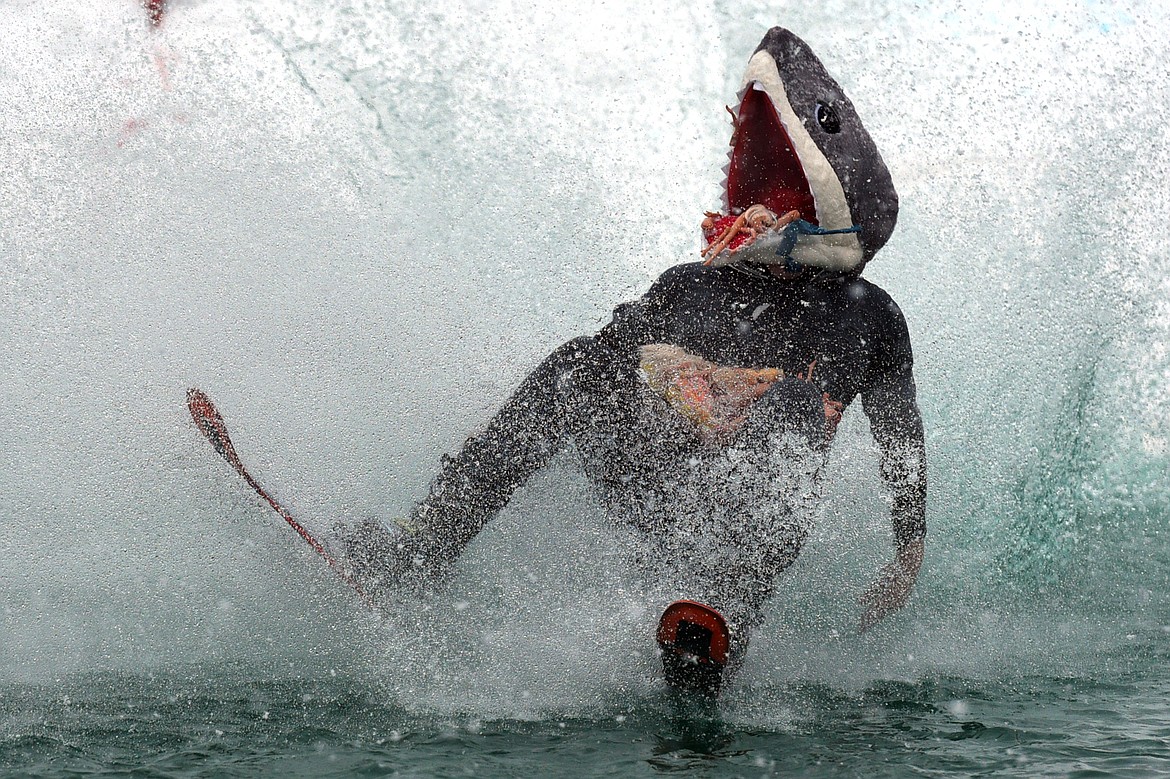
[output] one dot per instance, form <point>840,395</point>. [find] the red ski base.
<point>694,640</point>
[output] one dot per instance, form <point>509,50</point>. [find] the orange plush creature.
<point>716,399</point>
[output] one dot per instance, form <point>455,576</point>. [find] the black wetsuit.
<point>851,328</point>
<point>653,471</point>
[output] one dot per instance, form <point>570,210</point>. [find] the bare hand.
<point>893,586</point>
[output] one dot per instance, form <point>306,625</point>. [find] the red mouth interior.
<point>764,166</point>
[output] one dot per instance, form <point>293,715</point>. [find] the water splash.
<point>359,224</point>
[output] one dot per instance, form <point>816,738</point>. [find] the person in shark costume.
<point>703,411</point>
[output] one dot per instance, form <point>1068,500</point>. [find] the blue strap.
<point>798,228</point>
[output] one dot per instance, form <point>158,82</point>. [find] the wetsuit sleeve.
<point>890,401</point>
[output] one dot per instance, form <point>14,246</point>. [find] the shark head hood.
<point>799,146</point>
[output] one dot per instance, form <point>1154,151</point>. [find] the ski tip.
<point>154,11</point>
<point>211,425</point>
<point>693,639</point>
<point>684,616</point>
<point>200,405</point>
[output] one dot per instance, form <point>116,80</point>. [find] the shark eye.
<point>827,118</point>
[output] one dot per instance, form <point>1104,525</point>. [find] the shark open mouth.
<point>764,166</point>
<point>768,196</point>
<point>806,189</point>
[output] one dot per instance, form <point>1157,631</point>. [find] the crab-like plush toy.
<point>798,154</point>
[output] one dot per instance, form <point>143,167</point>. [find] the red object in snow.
<point>155,10</point>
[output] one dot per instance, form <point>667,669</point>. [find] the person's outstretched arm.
<point>890,402</point>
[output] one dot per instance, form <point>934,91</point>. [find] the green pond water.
<point>246,721</point>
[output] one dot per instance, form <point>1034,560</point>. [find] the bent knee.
<point>583,349</point>
<point>583,363</point>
